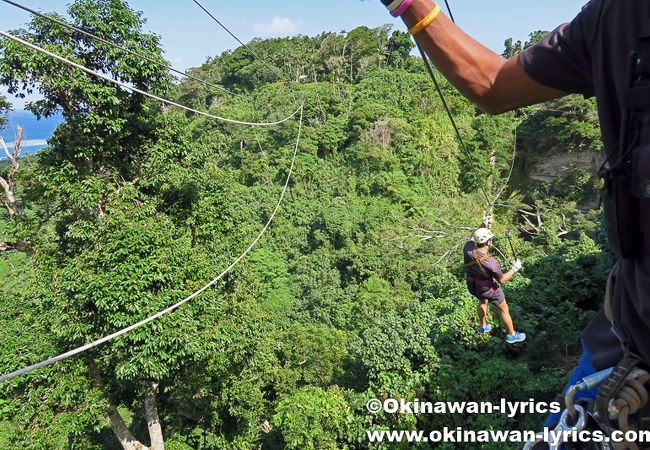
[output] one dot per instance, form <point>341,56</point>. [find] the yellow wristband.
<point>422,24</point>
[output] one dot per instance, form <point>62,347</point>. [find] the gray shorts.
<point>497,298</point>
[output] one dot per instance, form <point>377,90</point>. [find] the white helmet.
<point>482,235</point>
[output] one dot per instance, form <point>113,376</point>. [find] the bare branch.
<point>20,246</point>
<point>260,146</point>
<point>424,230</point>
<point>117,423</point>
<point>454,247</point>
<point>447,223</point>
<point>522,211</point>
<point>421,237</point>
<point>4,145</point>
<point>430,233</point>
<point>15,155</point>
<point>13,207</point>
<point>439,218</point>
<point>537,228</point>
<point>151,415</point>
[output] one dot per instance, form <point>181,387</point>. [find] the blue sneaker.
<point>518,337</point>
<point>487,328</point>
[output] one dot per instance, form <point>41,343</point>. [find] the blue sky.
<point>189,36</point>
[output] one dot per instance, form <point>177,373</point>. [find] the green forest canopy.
<point>356,291</point>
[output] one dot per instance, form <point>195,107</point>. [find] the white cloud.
<point>278,25</point>
<point>29,143</point>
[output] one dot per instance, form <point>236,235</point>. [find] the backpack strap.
<point>627,180</point>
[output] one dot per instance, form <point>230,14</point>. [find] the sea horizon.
<point>35,132</point>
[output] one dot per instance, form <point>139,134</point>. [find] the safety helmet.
<point>482,235</point>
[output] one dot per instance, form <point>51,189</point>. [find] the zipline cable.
<point>451,16</point>
<point>139,91</point>
<point>451,117</point>
<point>139,55</point>
<point>512,166</point>
<point>273,69</point>
<point>185,300</point>
<point>449,113</point>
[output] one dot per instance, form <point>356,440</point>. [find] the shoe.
<point>518,337</point>
<point>487,328</point>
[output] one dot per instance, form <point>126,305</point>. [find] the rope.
<point>141,92</point>
<point>173,307</point>
<point>139,55</point>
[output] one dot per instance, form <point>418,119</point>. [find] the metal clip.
<point>588,382</point>
<point>564,425</point>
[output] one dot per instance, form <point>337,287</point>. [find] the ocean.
<point>35,132</point>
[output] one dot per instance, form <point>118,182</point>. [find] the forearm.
<point>507,276</point>
<point>486,78</point>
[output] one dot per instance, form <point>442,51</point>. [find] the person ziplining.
<point>484,274</point>
<point>603,52</point>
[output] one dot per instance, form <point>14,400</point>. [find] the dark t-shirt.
<point>588,56</point>
<point>478,284</point>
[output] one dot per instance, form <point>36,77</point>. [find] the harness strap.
<point>609,312</point>
<point>612,385</point>
<point>478,261</point>
<point>636,97</point>
<point>478,281</point>
<point>482,258</point>
<point>608,295</point>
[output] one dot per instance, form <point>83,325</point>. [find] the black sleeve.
<point>562,60</point>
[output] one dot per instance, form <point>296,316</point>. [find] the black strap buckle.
<point>612,385</point>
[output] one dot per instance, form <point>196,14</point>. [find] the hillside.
<point>355,292</point>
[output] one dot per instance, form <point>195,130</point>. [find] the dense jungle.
<point>356,291</point>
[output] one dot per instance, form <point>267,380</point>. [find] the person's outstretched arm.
<point>492,82</point>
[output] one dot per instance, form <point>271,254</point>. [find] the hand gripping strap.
<point>612,385</point>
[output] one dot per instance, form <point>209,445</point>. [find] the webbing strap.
<point>608,295</point>
<point>477,261</point>
<point>612,385</point>
<point>481,259</point>
<point>636,97</point>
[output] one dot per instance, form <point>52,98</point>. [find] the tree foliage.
<point>355,292</point>
<point>5,107</point>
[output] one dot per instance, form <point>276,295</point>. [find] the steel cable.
<point>512,166</point>
<point>444,101</point>
<point>273,69</point>
<point>451,117</point>
<point>177,305</point>
<point>139,91</point>
<point>120,47</point>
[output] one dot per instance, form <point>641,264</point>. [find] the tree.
<point>399,48</point>
<point>356,291</point>
<point>14,208</point>
<point>534,37</point>
<point>5,107</point>
<point>89,192</point>
<point>105,127</point>
<point>511,48</point>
